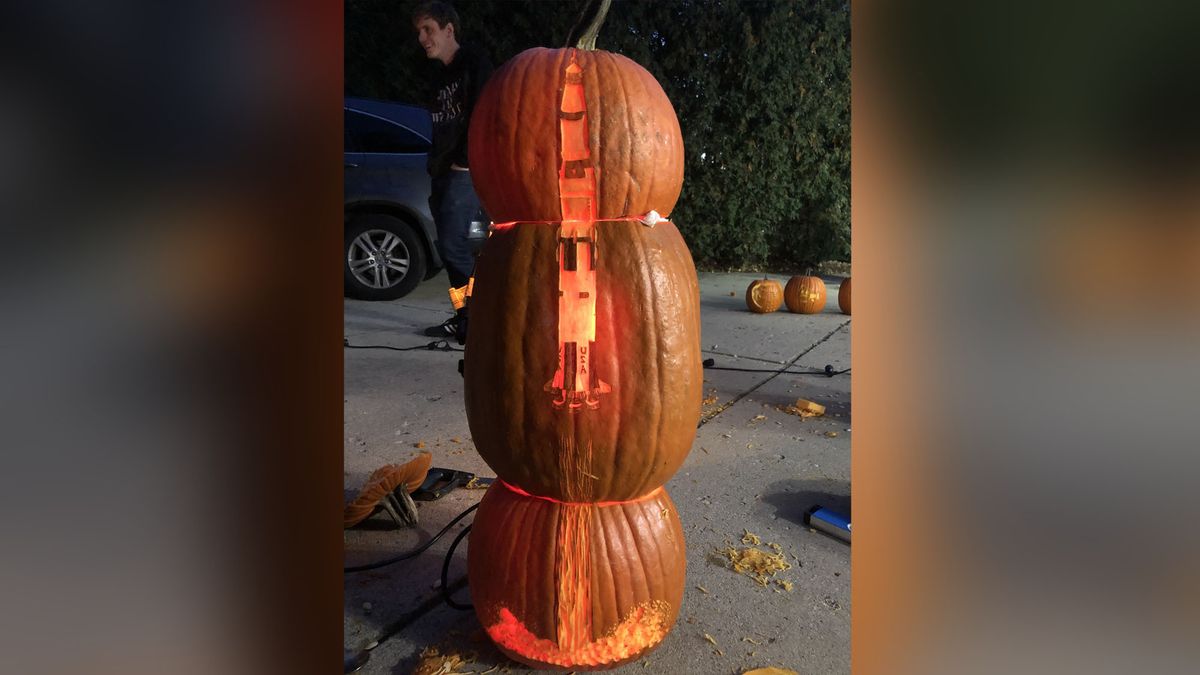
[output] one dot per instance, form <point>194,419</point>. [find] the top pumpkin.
<point>634,139</point>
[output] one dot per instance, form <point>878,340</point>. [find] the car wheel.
<point>382,258</point>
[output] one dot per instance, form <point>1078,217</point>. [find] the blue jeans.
<point>454,204</point>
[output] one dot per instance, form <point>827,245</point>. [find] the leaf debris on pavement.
<point>434,662</point>
<point>755,563</point>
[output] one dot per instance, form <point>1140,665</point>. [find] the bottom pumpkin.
<point>575,586</point>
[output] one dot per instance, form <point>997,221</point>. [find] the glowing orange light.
<point>644,627</point>
<point>653,494</point>
<point>573,379</point>
<point>573,570</point>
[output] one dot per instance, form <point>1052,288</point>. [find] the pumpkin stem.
<point>583,35</point>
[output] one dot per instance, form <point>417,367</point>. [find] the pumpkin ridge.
<point>521,347</point>
<point>606,579</point>
<point>556,72</point>
<point>621,528</point>
<point>516,578</point>
<point>654,158</point>
<point>655,579</point>
<point>630,174</point>
<point>638,564</point>
<point>592,96</point>
<point>647,448</point>
<point>525,530</point>
<point>514,131</point>
<point>616,547</point>
<point>652,453</point>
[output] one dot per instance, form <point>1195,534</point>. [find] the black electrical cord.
<point>446,568</point>
<point>436,346</point>
<point>828,372</point>
<point>356,660</point>
<point>416,551</point>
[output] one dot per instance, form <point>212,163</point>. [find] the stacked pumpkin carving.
<point>582,369</point>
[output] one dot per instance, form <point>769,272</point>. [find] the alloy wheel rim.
<point>378,259</point>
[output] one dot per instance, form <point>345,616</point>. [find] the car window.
<point>367,133</point>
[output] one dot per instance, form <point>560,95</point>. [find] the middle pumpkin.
<point>644,366</point>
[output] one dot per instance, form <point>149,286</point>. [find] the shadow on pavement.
<point>793,498</point>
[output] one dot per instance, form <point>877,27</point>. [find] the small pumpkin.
<point>575,586</point>
<point>804,294</point>
<point>764,296</point>
<point>844,296</point>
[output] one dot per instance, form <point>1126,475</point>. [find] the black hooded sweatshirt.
<point>456,89</point>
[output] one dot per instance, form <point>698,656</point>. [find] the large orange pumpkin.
<point>764,296</point>
<point>844,296</point>
<point>578,586</point>
<point>636,146</point>
<point>646,350</point>
<point>804,294</point>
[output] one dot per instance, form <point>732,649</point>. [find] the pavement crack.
<point>712,415</point>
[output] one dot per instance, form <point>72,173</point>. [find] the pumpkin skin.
<point>634,137</point>
<point>804,294</point>
<point>620,565</point>
<point>647,348</point>
<point>764,296</point>
<point>844,296</point>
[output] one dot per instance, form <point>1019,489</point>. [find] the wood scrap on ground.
<point>804,408</point>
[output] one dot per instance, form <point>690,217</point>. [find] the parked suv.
<point>389,237</point>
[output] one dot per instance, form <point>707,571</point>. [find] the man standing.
<point>462,70</point>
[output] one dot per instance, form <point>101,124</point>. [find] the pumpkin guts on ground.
<point>582,374</point>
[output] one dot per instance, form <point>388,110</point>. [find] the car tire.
<point>382,257</point>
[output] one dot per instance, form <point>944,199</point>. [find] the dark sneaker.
<point>446,330</point>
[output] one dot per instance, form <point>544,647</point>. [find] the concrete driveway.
<point>753,467</point>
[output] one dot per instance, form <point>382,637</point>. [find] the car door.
<point>385,163</point>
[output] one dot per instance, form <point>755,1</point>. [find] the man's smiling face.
<point>438,42</point>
